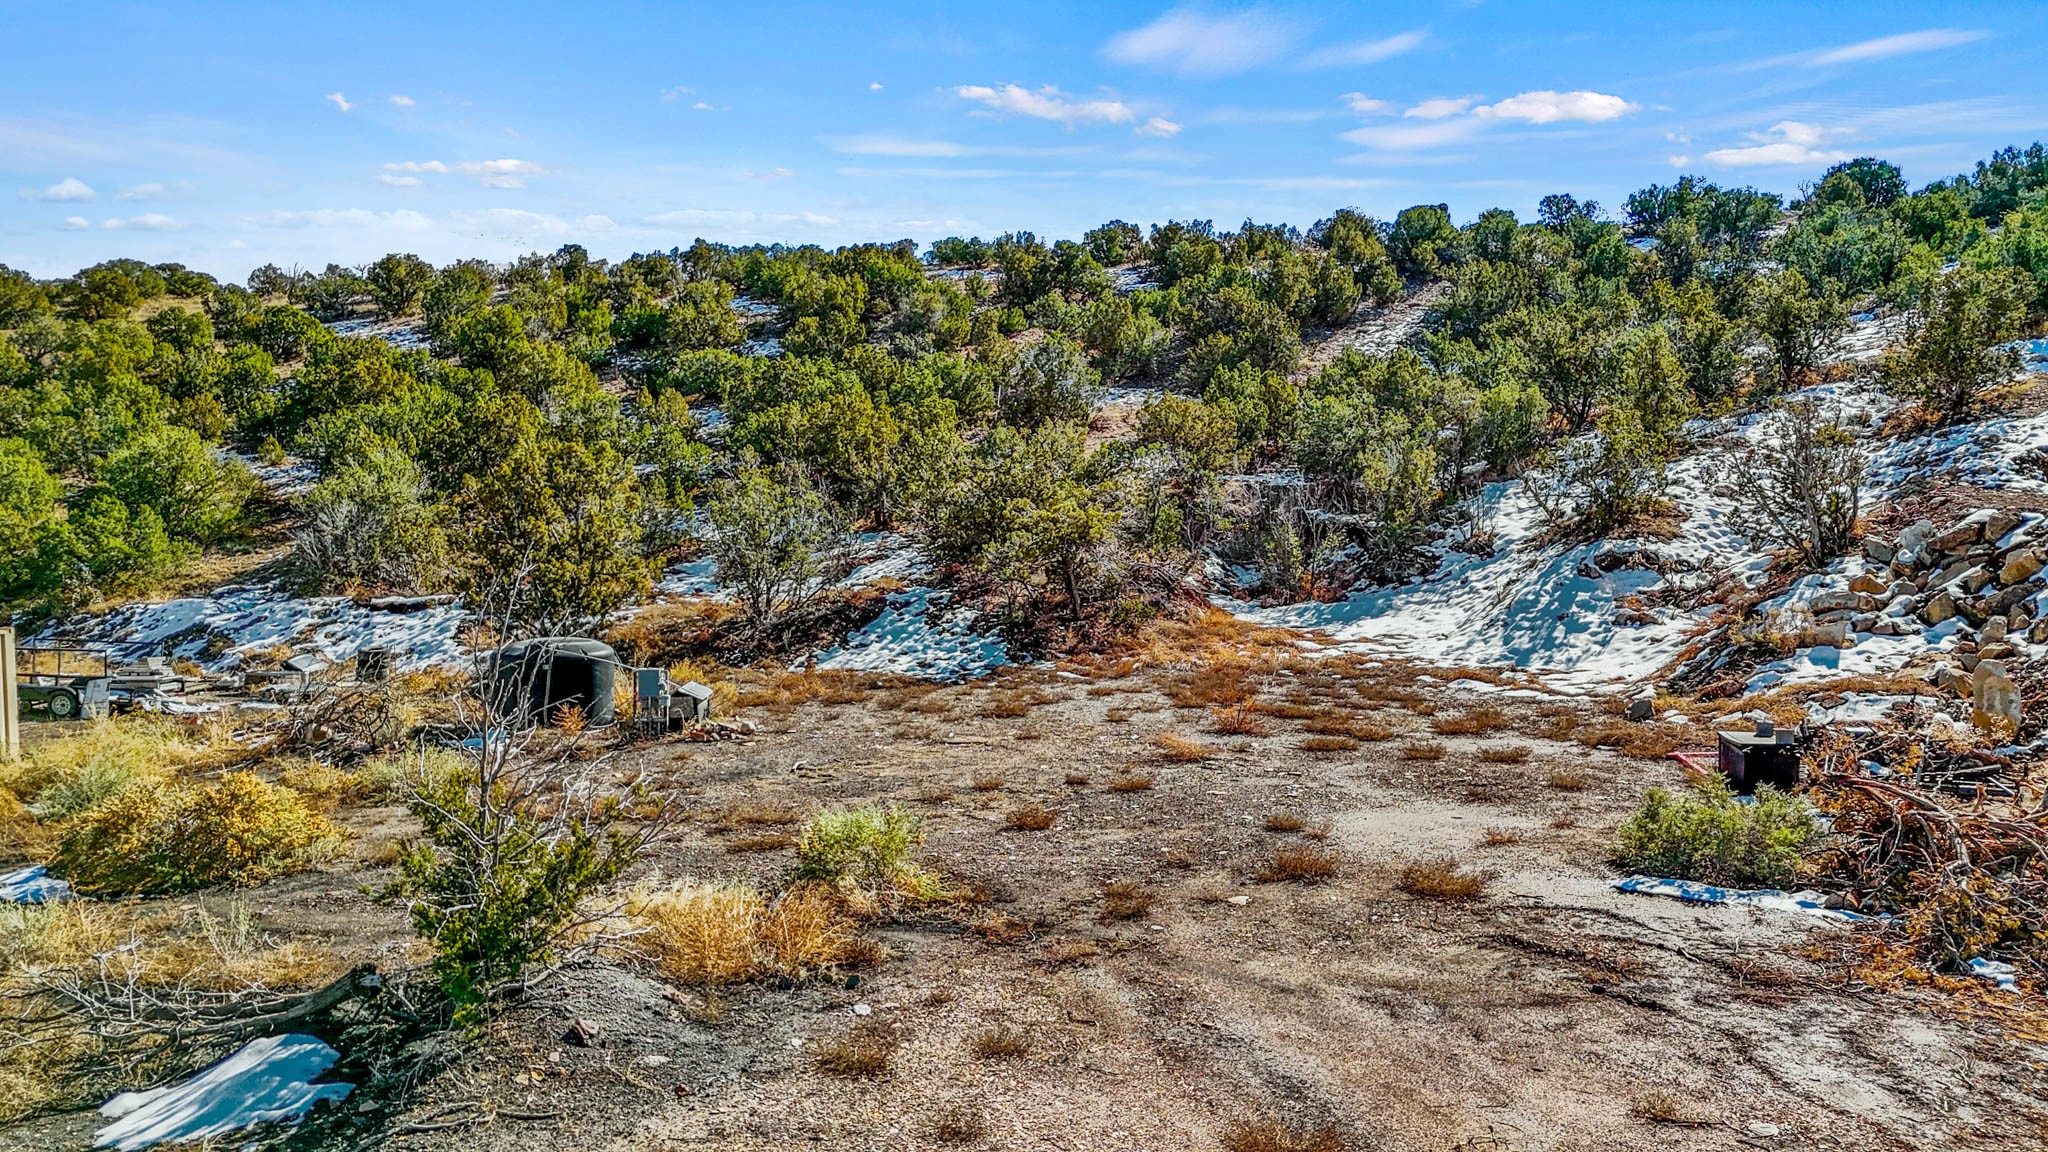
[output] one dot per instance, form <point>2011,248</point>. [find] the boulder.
<point>1878,550</point>
<point>1914,539</point>
<point>2037,632</point>
<point>1957,539</point>
<point>1900,588</point>
<point>1999,651</point>
<point>1828,602</point>
<point>1867,584</point>
<point>2022,565</point>
<point>1939,607</point>
<point>1945,677</point>
<point>2000,523</point>
<point>1972,579</point>
<point>1993,631</point>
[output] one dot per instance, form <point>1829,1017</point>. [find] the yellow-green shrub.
<point>153,838</point>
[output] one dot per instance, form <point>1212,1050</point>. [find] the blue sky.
<point>226,135</point>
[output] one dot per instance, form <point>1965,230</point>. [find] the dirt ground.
<point>1550,1013</point>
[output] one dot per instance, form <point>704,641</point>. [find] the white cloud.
<point>1364,51</point>
<point>595,223</point>
<point>389,180</point>
<point>1906,43</point>
<point>150,191</point>
<point>735,217</point>
<point>67,190</point>
<point>1159,126</point>
<point>510,222</point>
<point>404,219</point>
<point>772,174</point>
<point>402,101</point>
<point>1785,143</point>
<point>76,223</point>
<point>490,173</point>
<point>1048,103</point>
<point>1365,105</point>
<point>875,87</point>
<point>1205,44</point>
<point>671,95</point>
<point>701,106</point>
<point>1440,108</point>
<point>1547,107</point>
<point>339,101</point>
<point>898,146</point>
<point>1412,137</point>
<point>147,222</point>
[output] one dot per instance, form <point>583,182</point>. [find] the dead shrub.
<point>1329,745</point>
<point>987,784</point>
<point>1029,818</point>
<point>1477,720</point>
<point>1122,900</point>
<point>862,1051</point>
<point>1442,879</point>
<point>1498,837</point>
<point>1133,783</point>
<point>744,815</point>
<point>1180,749</point>
<point>1076,779</point>
<point>1001,1042</point>
<point>1300,863</point>
<point>1219,685</point>
<point>1009,705</point>
<point>1567,780</point>
<point>1505,753</point>
<point>1423,750</point>
<point>763,842</point>
<point>1273,1136</point>
<point>1284,822</point>
<point>1238,720</point>
<point>960,1125</point>
<point>1117,716</point>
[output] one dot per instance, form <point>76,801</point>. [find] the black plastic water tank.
<point>532,681</point>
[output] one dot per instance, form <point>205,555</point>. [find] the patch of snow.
<point>920,634</point>
<point>404,335</point>
<point>254,619</point>
<point>1130,278</point>
<point>751,309</point>
<point>1694,892</point>
<point>1857,708</point>
<point>293,477</point>
<point>32,885</point>
<point>767,347</point>
<point>267,1081</point>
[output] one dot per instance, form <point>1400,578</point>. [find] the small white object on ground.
<point>265,1081</point>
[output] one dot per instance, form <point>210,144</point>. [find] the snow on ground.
<point>1547,609</point>
<point>292,477</point>
<point>266,1081</point>
<point>254,619</point>
<point>32,885</point>
<point>404,335</point>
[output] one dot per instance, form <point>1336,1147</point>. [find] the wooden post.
<point>10,704</point>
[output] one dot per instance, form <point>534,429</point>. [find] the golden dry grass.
<point>1180,749</point>
<point>716,934</point>
<point>1299,863</point>
<point>1442,879</point>
<point>1505,753</point>
<point>1329,745</point>
<point>1472,722</point>
<point>1002,1042</point>
<point>1284,822</point>
<point>1498,837</point>
<point>1567,780</point>
<point>862,1051</point>
<point>1123,900</point>
<point>1423,750</point>
<point>1274,1136</point>
<point>761,842</point>
<point>1132,783</point>
<point>1029,818</point>
<point>1237,720</point>
<point>987,783</point>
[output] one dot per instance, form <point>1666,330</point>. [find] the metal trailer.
<point>45,686</point>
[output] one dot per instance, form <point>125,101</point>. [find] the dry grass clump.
<point>1299,863</point>
<point>1219,685</point>
<point>960,1125</point>
<point>1329,745</point>
<point>1284,822</point>
<point>1122,900</point>
<point>1423,750</point>
<point>1350,727</point>
<point>1076,779</point>
<point>755,815</point>
<point>1505,753</point>
<point>1131,783</point>
<point>1567,780</point>
<point>1498,837</point>
<point>1029,818</point>
<point>1007,705</point>
<point>861,1051</point>
<point>987,784</point>
<point>1238,720</point>
<point>1649,741</point>
<point>1002,1042</point>
<point>1273,1136</point>
<point>1180,749</point>
<point>158,838</point>
<point>1442,879</point>
<point>729,933</point>
<point>1483,719</point>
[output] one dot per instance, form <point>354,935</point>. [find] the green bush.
<point>150,838</point>
<point>866,846</point>
<point>1706,834</point>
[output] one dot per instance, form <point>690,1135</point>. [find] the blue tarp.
<point>1694,892</point>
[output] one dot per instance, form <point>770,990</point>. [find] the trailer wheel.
<point>63,705</point>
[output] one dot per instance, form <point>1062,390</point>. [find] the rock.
<point>1974,612</point>
<point>2022,566</point>
<point>2011,598</point>
<point>1993,631</point>
<point>584,1033</point>
<point>1642,707</point>
<point>1864,622</point>
<point>1867,584</point>
<point>1828,602</point>
<point>1997,652</point>
<point>1967,661</point>
<point>1915,537</point>
<point>1832,634</point>
<point>1994,700</point>
<point>1901,588</point>
<point>1879,550</point>
<point>2000,523</point>
<point>1972,579</point>
<point>1886,626</point>
<point>1237,901</point>
<point>1945,677</point>
<point>2037,632</point>
<point>1957,539</point>
<point>1939,607</point>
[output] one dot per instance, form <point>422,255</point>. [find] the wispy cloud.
<point>153,191</point>
<point>934,149</point>
<point>1903,44</point>
<point>339,101</point>
<point>1450,120</point>
<point>1046,103</point>
<point>1364,51</point>
<point>1784,144</point>
<point>1160,127</point>
<point>671,95</point>
<point>1365,105</point>
<point>507,173</point>
<point>69,189</point>
<point>772,174</point>
<point>1413,137</point>
<point>1202,44</point>
<point>402,101</point>
<point>147,222</point>
<point>1441,108</point>
<point>75,224</point>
